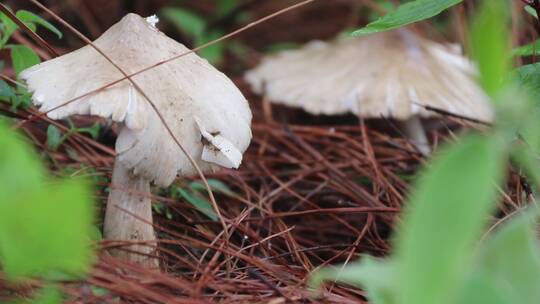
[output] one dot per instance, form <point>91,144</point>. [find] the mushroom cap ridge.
<point>183,90</point>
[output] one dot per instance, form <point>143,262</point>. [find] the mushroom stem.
<point>129,216</point>
<point>417,135</point>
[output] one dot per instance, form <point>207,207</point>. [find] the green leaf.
<point>511,258</point>
<point>186,21</point>
<point>528,76</point>
<point>6,91</point>
<point>54,137</point>
<point>215,185</point>
<point>21,101</point>
<point>29,17</point>
<point>376,277</point>
<point>213,53</point>
<point>528,49</point>
<point>31,26</point>
<point>480,289</point>
<point>446,213</point>
<point>489,44</point>
<point>406,14</point>
<point>531,11</point>
<point>387,7</point>
<point>92,131</point>
<point>9,27</point>
<point>47,295</point>
<point>199,203</point>
<point>23,57</point>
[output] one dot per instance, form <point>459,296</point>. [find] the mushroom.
<point>201,106</point>
<point>390,74</point>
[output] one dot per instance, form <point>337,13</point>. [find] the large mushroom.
<point>391,74</point>
<point>202,107</point>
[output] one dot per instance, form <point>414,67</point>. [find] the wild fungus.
<point>202,107</point>
<point>390,74</point>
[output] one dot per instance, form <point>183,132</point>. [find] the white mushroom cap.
<point>195,99</point>
<point>386,74</point>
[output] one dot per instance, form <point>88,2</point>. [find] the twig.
<point>450,114</point>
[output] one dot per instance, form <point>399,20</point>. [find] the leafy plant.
<point>55,137</point>
<point>30,19</point>
<point>195,194</point>
<point>200,31</point>
<point>22,57</point>
<point>439,254</point>
<point>45,224</point>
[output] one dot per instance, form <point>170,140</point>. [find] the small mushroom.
<point>390,74</point>
<point>202,107</point>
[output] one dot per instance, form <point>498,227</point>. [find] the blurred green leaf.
<point>6,91</point>
<point>31,26</point>
<point>20,170</point>
<point>528,76</point>
<point>47,295</point>
<point>95,234</point>
<point>224,7</point>
<point>511,258</point>
<point>377,277</point>
<point>406,14</point>
<point>199,203</point>
<point>21,101</point>
<point>281,46</point>
<point>186,21</point>
<point>445,215</point>
<point>480,289</point>
<point>29,17</point>
<point>528,50</point>
<point>489,44</point>
<point>23,57</point>
<point>99,291</point>
<point>213,53</point>
<point>44,226</point>
<point>55,221</point>
<point>54,137</point>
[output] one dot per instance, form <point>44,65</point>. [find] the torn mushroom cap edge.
<point>217,149</point>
